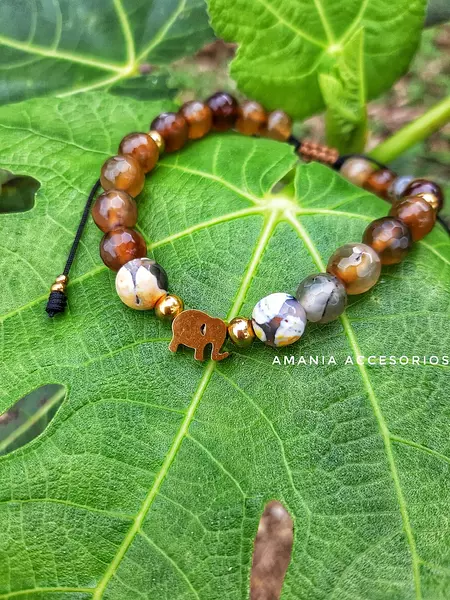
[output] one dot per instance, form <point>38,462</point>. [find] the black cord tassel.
<point>57,301</point>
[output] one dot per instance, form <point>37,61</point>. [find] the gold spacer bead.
<point>158,139</point>
<point>58,287</point>
<point>168,307</point>
<point>240,332</point>
<point>62,279</point>
<point>432,199</point>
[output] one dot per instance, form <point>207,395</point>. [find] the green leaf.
<point>285,45</point>
<point>345,98</point>
<point>151,478</point>
<point>66,47</point>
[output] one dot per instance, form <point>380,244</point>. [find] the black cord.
<point>57,300</point>
<point>444,224</point>
<point>79,233</point>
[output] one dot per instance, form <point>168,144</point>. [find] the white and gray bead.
<point>279,320</point>
<point>140,283</point>
<point>323,297</point>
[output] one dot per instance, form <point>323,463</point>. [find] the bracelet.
<point>278,319</point>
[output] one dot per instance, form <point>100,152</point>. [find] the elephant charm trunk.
<point>195,329</point>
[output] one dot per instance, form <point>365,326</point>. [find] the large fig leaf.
<point>151,477</point>
<point>64,46</point>
<point>286,47</point>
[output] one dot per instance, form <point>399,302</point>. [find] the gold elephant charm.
<point>195,329</point>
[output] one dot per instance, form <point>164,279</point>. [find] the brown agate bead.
<point>380,182</point>
<point>121,245</point>
<point>357,266</point>
<point>417,214</point>
<point>122,173</point>
<point>279,126</point>
<point>390,238</point>
<point>173,129</point>
<point>198,117</point>
<point>357,170</point>
<point>141,147</point>
<point>428,190</point>
<point>114,209</point>
<point>224,110</point>
<point>252,118</point>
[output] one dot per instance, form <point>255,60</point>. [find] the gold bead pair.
<point>60,284</point>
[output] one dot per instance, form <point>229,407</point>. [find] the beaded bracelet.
<point>278,319</point>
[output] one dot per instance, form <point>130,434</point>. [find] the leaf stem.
<point>413,133</point>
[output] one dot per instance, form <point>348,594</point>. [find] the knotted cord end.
<point>57,301</point>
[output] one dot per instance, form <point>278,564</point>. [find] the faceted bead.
<point>120,246</point>
<point>114,209</point>
<point>173,129</point>
<point>168,307</point>
<point>357,266</point>
<point>122,173</point>
<point>279,126</point>
<point>224,110</point>
<point>323,297</point>
<point>390,238</point>
<point>140,283</point>
<point>252,118</point>
<point>198,117</point>
<point>417,214</point>
<point>357,170</point>
<point>240,332</point>
<point>398,186</point>
<point>279,320</point>
<point>428,190</point>
<point>379,182</point>
<point>141,147</point>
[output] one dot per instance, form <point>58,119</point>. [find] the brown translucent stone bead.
<point>173,129</point>
<point>417,214</point>
<point>141,147</point>
<point>121,245</point>
<point>122,173</point>
<point>252,118</point>
<point>198,117</point>
<point>380,182</point>
<point>398,186</point>
<point>390,238</point>
<point>279,126</point>
<point>430,191</point>
<point>357,266</point>
<point>114,209</point>
<point>224,110</point>
<point>357,170</point>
